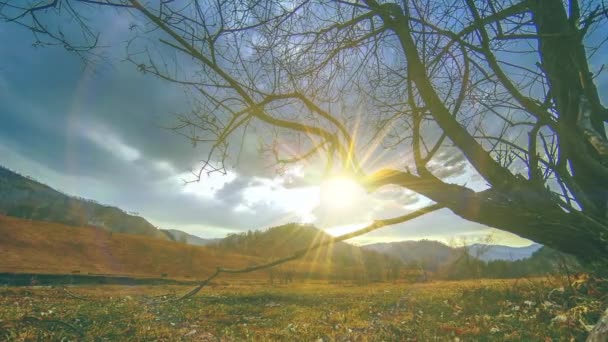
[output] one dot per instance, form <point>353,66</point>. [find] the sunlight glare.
<point>341,192</point>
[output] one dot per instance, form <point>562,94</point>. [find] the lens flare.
<point>340,192</point>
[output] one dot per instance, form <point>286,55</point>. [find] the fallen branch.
<point>377,224</point>
<point>73,295</point>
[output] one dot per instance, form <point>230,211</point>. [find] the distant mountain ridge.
<point>486,252</point>
<point>477,260</point>
<point>24,197</point>
<point>434,253</point>
<point>183,237</point>
<point>429,253</point>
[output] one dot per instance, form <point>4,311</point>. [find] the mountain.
<point>498,252</point>
<point>478,260</point>
<point>179,236</point>
<point>26,198</point>
<point>433,254</point>
<point>424,253</point>
<point>284,240</point>
<point>416,251</point>
<point>339,261</point>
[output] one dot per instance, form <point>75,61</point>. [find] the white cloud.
<point>107,140</point>
<point>242,208</point>
<point>164,166</point>
<point>271,193</point>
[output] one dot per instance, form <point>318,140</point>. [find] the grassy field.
<point>481,310</point>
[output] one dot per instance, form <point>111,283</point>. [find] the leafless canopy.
<point>390,92</point>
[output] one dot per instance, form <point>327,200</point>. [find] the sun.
<point>340,192</point>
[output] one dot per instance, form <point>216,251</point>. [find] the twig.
<point>73,295</point>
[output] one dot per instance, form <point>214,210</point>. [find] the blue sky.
<point>97,132</point>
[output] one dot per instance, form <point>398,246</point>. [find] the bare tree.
<point>388,91</point>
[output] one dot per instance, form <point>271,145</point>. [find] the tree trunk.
<point>564,63</point>
<point>534,216</point>
<point>527,211</point>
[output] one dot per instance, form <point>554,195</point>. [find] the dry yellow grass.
<point>480,310</point>
<point>43,247</point>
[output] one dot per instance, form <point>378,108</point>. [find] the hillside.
<point>179,236</point>
<point>340,261</point>
<point>42,247</point>
<point>427,254</point>
<point>26,198</point>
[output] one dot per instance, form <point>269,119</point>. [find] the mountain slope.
<point>286,239</point>
<point>179,236</point>
<point>28,246</point>
<point>427,254</point>
<point>26,198</point>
